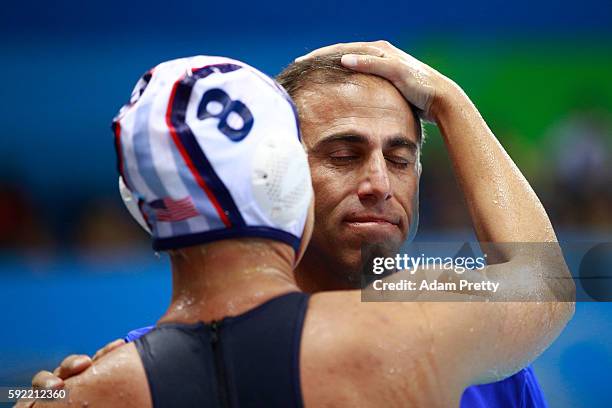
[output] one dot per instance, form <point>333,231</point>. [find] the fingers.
<point>24,403</point>
<point>47,381</point>
<point>370,64</point>
<point>108,348</point>
<point>370,48</point>
<point>417,82</point>
<point>72,365</point>
<point>409,78</point>
<point>43,380</point>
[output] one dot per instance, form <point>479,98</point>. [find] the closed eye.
<point>344,155</point>
<point>399,162</point>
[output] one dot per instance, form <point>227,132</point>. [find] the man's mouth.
<point>373,227</point>
<point>373,219</point>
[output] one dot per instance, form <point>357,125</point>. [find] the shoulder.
<point>356,351</point>
<point>117,379</point>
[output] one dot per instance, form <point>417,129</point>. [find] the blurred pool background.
<point>76,272</point>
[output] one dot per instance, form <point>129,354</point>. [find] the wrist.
<point>449,98</point>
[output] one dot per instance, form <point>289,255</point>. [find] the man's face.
<point>362,144</point>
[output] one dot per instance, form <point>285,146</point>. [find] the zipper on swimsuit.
<point>219,365</point>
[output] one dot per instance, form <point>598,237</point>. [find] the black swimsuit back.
<point>250,360</point>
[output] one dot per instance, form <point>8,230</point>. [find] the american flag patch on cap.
<point>167,209</point>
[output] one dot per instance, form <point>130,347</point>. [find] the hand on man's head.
<point>421,85</point>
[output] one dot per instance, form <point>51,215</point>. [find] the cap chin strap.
<point>131,203</point>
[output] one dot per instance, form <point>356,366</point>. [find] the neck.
<point>317,273</point>
<point>227,278</point>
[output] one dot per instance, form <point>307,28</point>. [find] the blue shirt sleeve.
<point>134,334</point>
<point>520,390</point>
<point>532,394</point>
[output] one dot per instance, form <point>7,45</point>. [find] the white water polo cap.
<point>209,148</point>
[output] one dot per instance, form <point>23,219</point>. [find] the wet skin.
<point>362,143</point>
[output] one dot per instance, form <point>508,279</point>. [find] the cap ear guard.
<point>131,203</point>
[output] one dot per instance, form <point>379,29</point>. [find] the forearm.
<point>502,204</point>
<point>505,209</point>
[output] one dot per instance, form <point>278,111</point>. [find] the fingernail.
<point>349,61</point>
<point>52,383</point>
<point>77,362</point>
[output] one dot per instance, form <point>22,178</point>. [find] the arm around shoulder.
<point>117,379</point>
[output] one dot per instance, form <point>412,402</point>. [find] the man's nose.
<point>375,185</point>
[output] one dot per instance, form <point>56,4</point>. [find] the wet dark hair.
<point>323,70</point>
